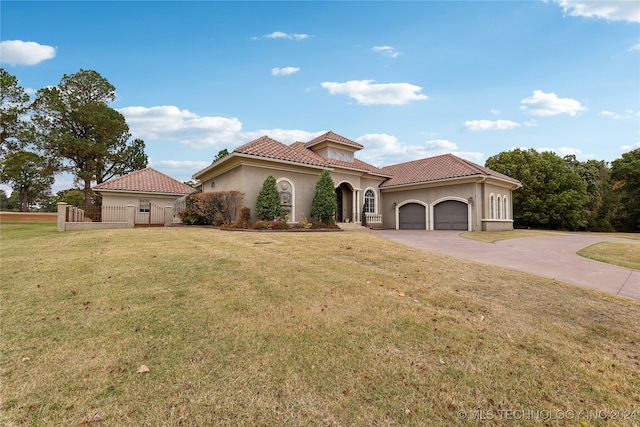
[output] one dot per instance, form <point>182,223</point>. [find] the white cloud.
<point>630,147</point>
<point>285,71</point>
<point>620,10</point>
<point>495,112</point>
<point>18,52</point>
<point>281,35</point>
<point>548,104</point>
<point>386,51</point>
<point>382,149</point>
<point>286,136</point>
<point>530,123</point>
<point>171,123</point>
<point>636,47</point>
<point>480,125</point>
<point>617,116</point>
<point>180,165</point>
<point>368,93</point>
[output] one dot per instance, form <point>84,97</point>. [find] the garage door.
<point>412,217</point>
<point>450,215</point>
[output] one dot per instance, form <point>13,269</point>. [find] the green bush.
<point>268,206</point>
<point>325,202</point>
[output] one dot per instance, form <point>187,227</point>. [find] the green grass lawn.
<point>296,329</point>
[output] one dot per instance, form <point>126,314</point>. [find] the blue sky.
<point>405,79</point>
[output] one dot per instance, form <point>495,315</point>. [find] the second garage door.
<point>450,215</point>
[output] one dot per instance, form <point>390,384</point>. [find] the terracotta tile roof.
<point>272,149</point>
<point>358,165</point>
<point>331,136</point>
<point>436,168</point>
<point>146,180</point>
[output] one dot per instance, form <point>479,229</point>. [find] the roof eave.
<point>158,193</point>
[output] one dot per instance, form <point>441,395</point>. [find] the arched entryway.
<point>344,195</point>
<point>451,215</point>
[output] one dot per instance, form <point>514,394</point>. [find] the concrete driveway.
<point>552,256</point>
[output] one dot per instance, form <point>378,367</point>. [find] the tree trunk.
<point>87,194</point>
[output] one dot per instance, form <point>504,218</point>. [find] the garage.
<point>450,215</point>
<point>412,216</point>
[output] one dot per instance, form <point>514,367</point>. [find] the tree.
<point>30,177</point>
<point>222,153</point>
<point>14,104</point>
<point>325,202</point>
<point>75,124</point>
<point>626,175</point>
<point>552,194</point>
<point>6,203</point>
<point>268,206</point>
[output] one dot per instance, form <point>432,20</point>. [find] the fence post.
<point>131,216</point>
<point>168,216</point>
<point>62,216</point>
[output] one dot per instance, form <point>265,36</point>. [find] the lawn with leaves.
<point>295,329</point>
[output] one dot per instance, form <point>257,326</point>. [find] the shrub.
<point>216,208</point>
<point>245,218</point>
<point>325,202</point>
<point>268,205</point>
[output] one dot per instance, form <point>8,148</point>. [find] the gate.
<point>153,216</point>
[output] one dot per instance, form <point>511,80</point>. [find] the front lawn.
<point>297,329</point>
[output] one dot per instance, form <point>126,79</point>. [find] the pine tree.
<point>325,202</point>
<point>268,206</point>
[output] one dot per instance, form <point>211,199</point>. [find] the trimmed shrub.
<point>325,202</point>
<point>213,208</point>
<point>268,206</point>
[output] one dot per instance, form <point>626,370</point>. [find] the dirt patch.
<point>40,217</point>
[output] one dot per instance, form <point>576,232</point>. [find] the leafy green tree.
<point>552,194</point>
<point>626,174</point>
<point>14,104</point>
<point>75,124</point>
<point>30,177</point>
<point>268,206</point>
<point>221,154</point>
<point>325,202</point>
<point>6,204</point>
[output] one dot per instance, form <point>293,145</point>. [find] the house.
<point>149,190</point>
<point>437,193</point>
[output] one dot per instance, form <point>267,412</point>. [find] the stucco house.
<point>438,193</point>
<point>149,190</point>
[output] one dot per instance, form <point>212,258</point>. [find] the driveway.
<point>552,256</point>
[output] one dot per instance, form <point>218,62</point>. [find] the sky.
<point>407,80</point>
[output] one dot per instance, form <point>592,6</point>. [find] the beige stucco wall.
<point>428,195</point>
<point>249,176</point>
<point>125,199</point>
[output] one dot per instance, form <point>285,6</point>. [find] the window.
<point>369,201</point>
<point>504,211</point>
<point>349,158</point>
<point>499,207</point>
<point>492,207</point>
<point>333,155</point>
<point>144,205</point>
<point>341,156</point>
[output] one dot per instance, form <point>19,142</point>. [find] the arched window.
<point>505,211</point>
<point>492,207</point>
<point>499,208</point>
<point>369,201</point>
